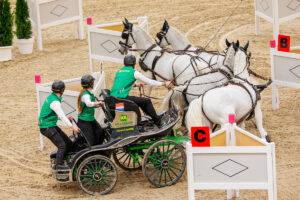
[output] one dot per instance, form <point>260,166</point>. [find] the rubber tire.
<point>173,182</point>
<point>88,159</point>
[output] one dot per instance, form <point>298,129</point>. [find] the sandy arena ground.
<point>25,171</point>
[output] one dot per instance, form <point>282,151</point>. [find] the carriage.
<point>157,151</point>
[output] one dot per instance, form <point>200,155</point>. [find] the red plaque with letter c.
<point>200,136</point>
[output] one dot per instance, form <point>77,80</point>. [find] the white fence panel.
<point>47,13</point>
<point>285,68</point>
<point>104,40</point>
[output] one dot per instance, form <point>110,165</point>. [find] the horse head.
<point>161,36</point>
<point>127,37</point>
<point>237,59</point>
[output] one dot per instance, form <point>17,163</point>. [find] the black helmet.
<point>58,86</point>
<point>129,60</point>
<point>87,81</point>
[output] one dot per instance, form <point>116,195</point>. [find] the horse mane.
<point>147,37</point>
<point>180,36</point>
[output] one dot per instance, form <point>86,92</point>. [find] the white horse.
<point>198,85</point>
<point>159,63</point>
<point>239,97</point>
<point>171,36</point>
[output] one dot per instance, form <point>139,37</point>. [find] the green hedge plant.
<point>6,24</point>
<point>22,20</point>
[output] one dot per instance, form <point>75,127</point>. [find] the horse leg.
<point>259,121</point>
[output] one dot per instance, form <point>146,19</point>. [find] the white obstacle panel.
<point>70,96</point>
<point>235,160</point>
<point>276,12</point>
<point>47,13</point>
<point>285,69</point>
<point>104,40</point>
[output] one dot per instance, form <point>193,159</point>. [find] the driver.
<point>48,117</point>
<point>124,81</point>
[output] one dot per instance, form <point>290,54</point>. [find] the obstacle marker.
<point>104,40</point>
<point>235,160</point>
<point>275,12</point>
<point>48,13</point>
<point>285,70</point>
<point>89,21</point>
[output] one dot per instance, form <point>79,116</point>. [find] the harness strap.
<point>154,64</point>
<point>187,47</point>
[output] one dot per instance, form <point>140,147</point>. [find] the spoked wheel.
<point>128,160</point>
<point>164,163</point>
<point>97,175</point>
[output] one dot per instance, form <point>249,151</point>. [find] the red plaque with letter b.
<point>200,136</point>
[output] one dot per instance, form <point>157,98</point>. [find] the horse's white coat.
<point>169,65</point>
<point>178,41</point>
<point>218,103</point>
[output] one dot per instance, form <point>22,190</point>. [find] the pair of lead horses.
<point>211,85</point>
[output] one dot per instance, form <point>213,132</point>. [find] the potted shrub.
<point>23,28</point>
<point>6,35</point>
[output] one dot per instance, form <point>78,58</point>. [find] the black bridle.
<point>126,34</point>
<point>162,35</point>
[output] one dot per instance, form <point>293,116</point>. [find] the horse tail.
<point>194,114</point>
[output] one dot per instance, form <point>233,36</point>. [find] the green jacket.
<point>48,118</point>
<point>87,113</point>
<point>123,82</point>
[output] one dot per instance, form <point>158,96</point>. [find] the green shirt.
<point>48,118</point>
<point>123,82</point>
<point>87,113</point>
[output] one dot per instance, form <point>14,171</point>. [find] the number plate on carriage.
<point>124,125</point>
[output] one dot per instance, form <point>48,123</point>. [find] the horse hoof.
<point>268,139</point>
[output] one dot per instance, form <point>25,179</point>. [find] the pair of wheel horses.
<point>125,79</point>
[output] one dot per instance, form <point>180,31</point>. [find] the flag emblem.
<point>120,106</point>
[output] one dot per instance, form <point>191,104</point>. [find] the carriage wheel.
<point>97,175</point>
<point>164,163</point>
<point>129,161</point>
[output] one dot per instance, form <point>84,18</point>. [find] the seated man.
<point>124,80</point>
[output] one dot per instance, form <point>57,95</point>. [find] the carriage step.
<point>62,175</point>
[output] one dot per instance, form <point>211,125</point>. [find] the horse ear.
<point>166,26</point>
<point>126,21</point>
<point>238,43</point>
<point>246,46</point>
<point>235,46</point>
<point>227,43</point>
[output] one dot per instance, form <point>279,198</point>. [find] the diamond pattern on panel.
<point>293,5</point>
<point>230,168</point>
<point>295,71</point>
<point>58,10</point>
<point>109,46</point>
<point>264,4</point>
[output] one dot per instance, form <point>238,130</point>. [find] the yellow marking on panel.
<point>118,28</point>
<point>296,51</point>
<point>244,140</point>
<point>219,140</point>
